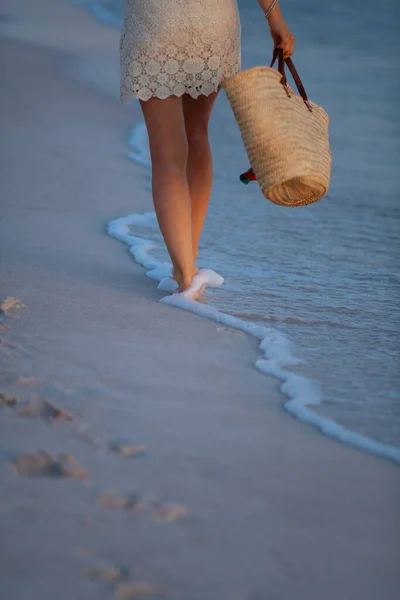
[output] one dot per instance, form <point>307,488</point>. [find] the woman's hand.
<point>281,34</point>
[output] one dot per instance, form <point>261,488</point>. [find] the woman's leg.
<point>199,165</point>
<point>169,156</point>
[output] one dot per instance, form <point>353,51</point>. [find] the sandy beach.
<point>141,453</point>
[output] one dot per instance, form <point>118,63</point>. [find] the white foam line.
<point>276,348</point>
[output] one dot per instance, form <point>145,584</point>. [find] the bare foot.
<point>183,281</point>
<point>192,292</point>
<point>193,288</point>
<point>202,278</point>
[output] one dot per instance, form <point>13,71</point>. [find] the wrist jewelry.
<point>271,8</point>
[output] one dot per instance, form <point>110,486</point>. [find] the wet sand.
<point>141,454</point>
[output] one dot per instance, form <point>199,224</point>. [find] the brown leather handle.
<point>278,54</point>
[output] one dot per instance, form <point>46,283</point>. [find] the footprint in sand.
<point>134,503</point>
<point>42,464</point>
<point>130,502</point>
<point>9,304</point>
<point>103,572</point>
<point>124,589</point>
<point>41,408</point>
<point>9,400</point>
<point>127,449</point>
<point>137,591</point>
<point>38,408</point>
<point>25,380</point>
<point>170,512</point>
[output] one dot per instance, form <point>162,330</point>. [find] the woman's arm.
<point>280,32</point>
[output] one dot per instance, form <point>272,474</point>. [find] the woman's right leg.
<point>169,153</point>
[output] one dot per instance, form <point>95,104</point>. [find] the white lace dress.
<point>173,47</point>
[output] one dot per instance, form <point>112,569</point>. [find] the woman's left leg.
<point>199,169</point>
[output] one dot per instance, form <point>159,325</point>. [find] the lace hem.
<point>128,95</point>
<point>178,47</point>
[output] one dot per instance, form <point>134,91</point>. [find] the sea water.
<point>319,283</point>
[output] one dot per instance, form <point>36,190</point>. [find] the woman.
<point>174,55</point>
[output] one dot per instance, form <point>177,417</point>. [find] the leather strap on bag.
<point>278,54</point>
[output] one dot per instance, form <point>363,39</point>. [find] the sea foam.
<point>277,350</point>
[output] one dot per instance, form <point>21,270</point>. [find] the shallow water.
<point>326,276</point>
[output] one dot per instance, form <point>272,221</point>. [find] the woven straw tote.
<point>285,135</point>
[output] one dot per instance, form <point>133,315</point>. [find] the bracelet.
<point>271,8</point>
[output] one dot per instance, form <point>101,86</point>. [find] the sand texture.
<point>141,454</point>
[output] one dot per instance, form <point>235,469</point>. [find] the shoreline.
<point>82,67</point>
<point>276,357</point>
<point>236,500</point>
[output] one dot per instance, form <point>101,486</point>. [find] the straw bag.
<point>285,135</point>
